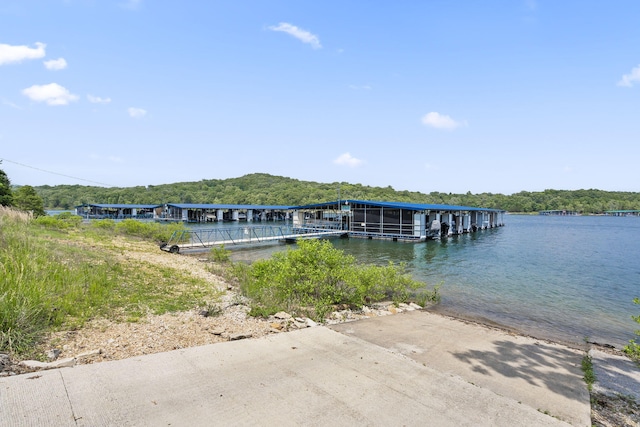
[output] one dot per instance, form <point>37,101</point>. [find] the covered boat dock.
<point>397,220</point>
<point>117,211</point>
<point>188,212</point>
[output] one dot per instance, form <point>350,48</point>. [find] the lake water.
<point>561,278</point>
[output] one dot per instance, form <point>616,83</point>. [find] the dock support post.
<point>249,215</point>
<point>220,215</point>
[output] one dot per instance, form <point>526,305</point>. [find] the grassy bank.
<point>58,273</point>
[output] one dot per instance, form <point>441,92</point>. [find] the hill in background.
<point>265,189</point>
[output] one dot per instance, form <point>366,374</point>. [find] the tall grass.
<point>52,280</point>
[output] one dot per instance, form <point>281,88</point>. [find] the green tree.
<point>25,198</point>
<point>6,197</point>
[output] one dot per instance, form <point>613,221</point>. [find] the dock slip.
<point>195,239</point>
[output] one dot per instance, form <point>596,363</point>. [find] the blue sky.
<point>491,96</point>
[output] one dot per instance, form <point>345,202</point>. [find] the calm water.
<point>562,278</point>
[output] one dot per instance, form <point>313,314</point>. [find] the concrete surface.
<point>317,376</point>
<point>543,376</point>
<point>615,374</point>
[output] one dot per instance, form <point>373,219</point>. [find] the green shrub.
<point>148,230</point>
<point>219,254</point>
<point>316,277</point>
<point>61,221</point>
<point>633,348</point>
<point>103,224</point>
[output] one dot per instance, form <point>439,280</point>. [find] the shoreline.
<point>584,345</point>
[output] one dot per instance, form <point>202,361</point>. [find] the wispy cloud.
<point>361,87</point>
<point>11,104</point>
<point>628,80</point>
<point>112,158</point>
<point>347,159</point>
<point>55,64</point>
<point>136,113</point>
<point>441,121</point>
<point>98,100</point>
<point>52,94</point>
<point>431,167</point>
<point>131,4</point>
<point>15,54</point>
<point>302,35</point>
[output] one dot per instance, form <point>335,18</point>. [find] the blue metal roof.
<point>222,206</point>
<point>403,205</point>
<point>119,206</point>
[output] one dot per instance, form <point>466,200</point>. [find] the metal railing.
<point>205,238</point>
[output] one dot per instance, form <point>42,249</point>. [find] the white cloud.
<point>440,121</point>
<point>347,159</point>
<point>137,113</point>
<point>10,54</point>
<point>52,94</point>
<point>56,64</point>
<point>628,79</point>
<point>302,35</point>
<point>98,100</point>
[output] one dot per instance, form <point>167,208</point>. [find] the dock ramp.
<point>195,239</point>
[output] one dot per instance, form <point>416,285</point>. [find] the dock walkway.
<point>208,238</point>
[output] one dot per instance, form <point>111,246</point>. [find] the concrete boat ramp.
<point>410,369</point>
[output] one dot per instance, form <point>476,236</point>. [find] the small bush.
<point>220,254</point>
<point>148,230</point>
<point>103,224</point>
<point>61,221</point>
<point>633,348</point>
<point>316,277</point>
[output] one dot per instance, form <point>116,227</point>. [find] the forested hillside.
<point>267,189</point>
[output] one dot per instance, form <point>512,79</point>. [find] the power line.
<point>55,173</point>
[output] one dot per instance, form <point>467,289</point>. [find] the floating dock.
<point>349,218</point>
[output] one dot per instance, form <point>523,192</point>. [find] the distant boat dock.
<point>347,218</point>
<point>396,221</point>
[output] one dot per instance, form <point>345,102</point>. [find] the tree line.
<point>24,198</point>
<point>265,189</point>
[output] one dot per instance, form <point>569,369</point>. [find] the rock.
<point>62,363</point>
<point>415,306</point>
<point>310,323</point>
<point>89,354</point>
<point>217,331</point>
<point>240,336</point>
<point>5,360</point>
<point>276,325</point>
<point>299,319</point>
<point>282,315</point>
<point>53,354</point>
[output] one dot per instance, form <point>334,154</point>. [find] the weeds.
<point>587,369</point>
